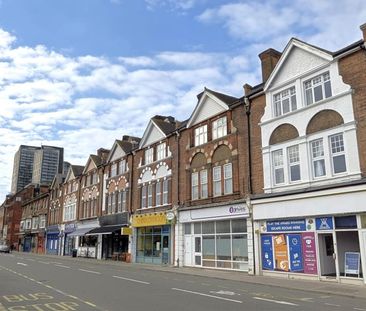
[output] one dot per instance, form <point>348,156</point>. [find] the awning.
<point>81,231</point>
<point>105,230</point>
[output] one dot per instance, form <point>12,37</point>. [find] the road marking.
<point>276,301</point>
<point>22,264</point>
<point>29,259</point>
<point>331,304</point>
<point>206,295</point>
<point>62,266</point>
<point>2,308</point>
<point>90,304</point>
<point>89,271</point>
<point>359,309</point>
<point>44,262</point>
<point>132,280</point>
<point>224,292</point>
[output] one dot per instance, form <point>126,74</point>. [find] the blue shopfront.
<point>52,243</point>
<point>69,240</point>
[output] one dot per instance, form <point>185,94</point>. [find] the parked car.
<point>4,247</point>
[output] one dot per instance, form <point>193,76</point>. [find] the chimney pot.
<point>363,29</point>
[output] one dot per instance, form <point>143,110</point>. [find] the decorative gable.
<point>70,175</point>
<point>90,165</point>
<point>116,153</point>
<point>152,135</point>
<point>298,59</point>
<point>208,106</point>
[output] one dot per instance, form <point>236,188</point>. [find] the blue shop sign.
<point>286,225</point>
<point>267,252</point>
<point>324,223</point>
<point>296,260</point>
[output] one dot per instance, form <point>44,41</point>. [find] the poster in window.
<point>281,254</point>
<point>296,258</point>
<point>267,252</point>
<point>309,253</point>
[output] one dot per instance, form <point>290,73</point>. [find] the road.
<point>31,282</point>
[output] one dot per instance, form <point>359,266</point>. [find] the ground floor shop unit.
<point>218,237</point>
<point>67,240</point>
<point>320,235</point>
<point>153,241</point>
<point>52,240</point>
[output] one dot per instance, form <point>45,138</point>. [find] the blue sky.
<point>81,73</point>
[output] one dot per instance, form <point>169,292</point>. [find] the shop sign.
<point>309,253</point>
<point>280,250</point>
<point>267,252</point>
<point>324,223</point>
<point>146,220</point>
<point>170,216</point>
<point>126,231</point>
<point>296,260</point>
<point>286,225</point>
<point>352,263</point>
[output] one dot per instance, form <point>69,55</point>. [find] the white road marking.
<point>44,262</point>
<point>276,301</point>
<point>62,266</point>
<point>89,271</point>
<point>359,309</point>
<point>331,304</point>
<point>206,295</point>
<point>224,292</point>
<point>29,259</point>
<point>132,280</point>
<point>22,264</point>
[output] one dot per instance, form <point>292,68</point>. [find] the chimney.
<point>269,59</point>
<point>363,29</point>
<point>103,154</point>
<point>247,88</point>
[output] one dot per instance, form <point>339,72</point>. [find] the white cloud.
<point>173,4</point>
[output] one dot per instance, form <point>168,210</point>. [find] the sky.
<point>81,73</point>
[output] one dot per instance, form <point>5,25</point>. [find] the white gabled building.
<point>310,220</point>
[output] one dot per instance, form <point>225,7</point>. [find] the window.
<point>149,155</point>
<point>124,200</point>
<point>337,153</point>
<point>285,102</point>
<point>95,178</point>
<point>294,163</point>
<point>317,152</point>
<point>143,196</point>
<point>42,221</point>
<point>219,128</point>
<point>194,186</point>
<point>217,181</point>
<point>149,196</point>
<point>277,158</point>
<point>228,179</point>
<point>204,184</point>
<point>317,88</point>
<point>113,202</point>
<point>165,192</point>
<point>113,170</point>
<point>158,193</point>
<point>122,167</point>
<point>35,223</point>
<point>160,151</point>
<point>200,135</point>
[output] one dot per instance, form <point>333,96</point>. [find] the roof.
<point>77,170</point>
<point>96,159</point>
<point>167,124</point>
<point>227,99</point>
<point>348,47</point>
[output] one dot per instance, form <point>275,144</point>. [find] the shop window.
<point>208,227</point>
<point>239,225</point>
<point>187,228</point>
<point>345,222</point>
<point>197,244</point>
<point>197,228</point>
<point>223,226</point>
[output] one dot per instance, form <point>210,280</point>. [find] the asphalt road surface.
<point>35,283</point>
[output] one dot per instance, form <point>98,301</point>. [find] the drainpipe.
<point>178,194</point>
<point>247,106</point>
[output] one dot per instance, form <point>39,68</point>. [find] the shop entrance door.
<point>165,253</point>
<point>198,251</point>
<point>327,256</point>
<point>188,250</point>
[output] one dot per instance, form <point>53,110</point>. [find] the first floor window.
<point>143,196</point>
<point>194,186</point>
<point>204,184</point>
<point>294,162</point>
<point>200,135</point>
<point>165,191</point>
<point>317,152</point>
<point>158,193</point>
<point>338,154</point>
<point>217,181</point>
<point>149,196</point>
<point>228,178</point>
<point>277,158</point>
<point>219,128</point>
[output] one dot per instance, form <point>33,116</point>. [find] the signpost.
<point>352,263</point>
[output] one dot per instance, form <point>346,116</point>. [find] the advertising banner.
<point>296,260</point>
<point>352,263</point>
<point>267,252</point>
<point>280,250</point>
<point>286,225</point>
<point>309,253</point>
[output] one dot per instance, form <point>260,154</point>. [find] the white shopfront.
<point>319,235</point>
<point>218,237</point>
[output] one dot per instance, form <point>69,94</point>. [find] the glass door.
<point>327,255</point>
<point>198,250</point>
<point>165,257</point>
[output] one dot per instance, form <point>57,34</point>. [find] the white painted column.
<point>250,236</point>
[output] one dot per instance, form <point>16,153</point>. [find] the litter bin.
<point>74,253</point>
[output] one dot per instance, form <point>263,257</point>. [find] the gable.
<point>152,135</point>
<point>90,165</point>
<point>70,175</point>
<point>116,153</point>
<point>206,108</point>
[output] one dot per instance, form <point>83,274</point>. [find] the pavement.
<point>323,287</point>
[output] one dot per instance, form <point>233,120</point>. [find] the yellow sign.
<point>146,220</point>
<point>126,231</point>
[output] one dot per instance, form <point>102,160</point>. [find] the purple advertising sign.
<point>309,253</point>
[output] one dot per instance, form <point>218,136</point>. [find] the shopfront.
<point>69,240</point>
<point>86,246</point>
<point>217,237</point>
<point>321,245</point>
<point>154,235</point>
<point>52,242</point>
